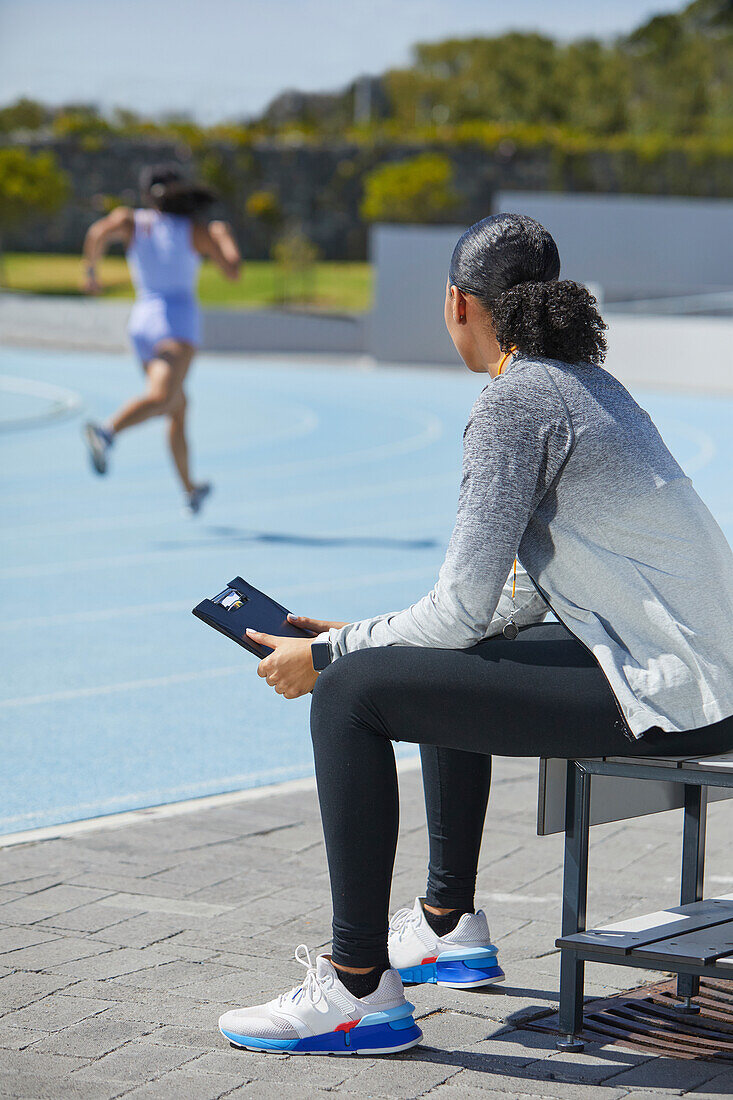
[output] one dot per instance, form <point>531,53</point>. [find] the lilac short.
<point>155,318</point>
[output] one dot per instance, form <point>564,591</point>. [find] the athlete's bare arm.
<point>216,242</point>
<point>119,225</point>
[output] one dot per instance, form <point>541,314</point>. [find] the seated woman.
<point>564,472</point>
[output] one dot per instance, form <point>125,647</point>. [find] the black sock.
<point>361,985</point>
<point>446,923</point>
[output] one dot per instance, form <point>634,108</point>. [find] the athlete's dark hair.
<point>165,187</point>
<point>511,264</point>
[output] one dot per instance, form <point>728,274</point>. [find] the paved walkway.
<point>120,947</point>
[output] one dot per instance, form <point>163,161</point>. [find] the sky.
<point>217,59</point>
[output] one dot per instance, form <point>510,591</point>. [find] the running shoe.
<point>322,1017</point>
<point>99,441</point>
<point>464,959</point>
<point>196,498</point>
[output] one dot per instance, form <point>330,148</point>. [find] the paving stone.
<point>667,1073</point>
<point>53,1013</point>
<point>45,903</point>
<point>446,1028</point>
<point>91,1038</point>
<point>142,930</point>
<point>512,1078</point>
<point>182,1085</point>
<point>118,961</point>
<point>715,1087</point>
<point>175,975</point>
<point>138,1061</point>
<point>20,989</point>
<point>28,1061</point>
<point>54,953</point>
<point>169,1010</point>
<point>87,918</point>
<point>262,1090</point>
<point>150,903</point>
<point>36,883</point>
<point>458,1089</point>
<point>321,1072</point>
<point>14,938</point>
<point>150,885</point>
<point>405,1075</point>
<point>28,1086</point>
<point>18,1038</point>
<point>177,1035</point>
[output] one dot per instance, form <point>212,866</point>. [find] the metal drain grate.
<point>647,1019</point>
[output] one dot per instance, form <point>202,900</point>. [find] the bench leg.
<point>693,870</point>
<point>575,893</point>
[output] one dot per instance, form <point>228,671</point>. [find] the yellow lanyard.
<point>502,364</point>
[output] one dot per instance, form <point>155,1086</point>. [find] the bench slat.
<point>637,932</point>
<point>704,946</point>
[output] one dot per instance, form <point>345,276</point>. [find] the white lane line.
<point>334,585</point>
<point>432,430</point>
<point>126,685</point>
<point>62,402</point>
<point>96,616</point>
<point>173,809</point>
<point>333,496</point>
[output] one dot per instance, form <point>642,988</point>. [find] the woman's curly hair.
<point>510,263</point>
<point>557,320</point>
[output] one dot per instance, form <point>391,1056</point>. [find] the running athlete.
<point>164,243</point>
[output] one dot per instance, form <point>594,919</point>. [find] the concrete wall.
<point>85,322</point>
<point>411,267</point>
<point>635,245</point>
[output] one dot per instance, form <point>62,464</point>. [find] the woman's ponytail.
<point>553,320</point>
<point>188,200</point>
<point>165,187</point>
<point>511,264</point>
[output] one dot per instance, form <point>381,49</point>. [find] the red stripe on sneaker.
<point>346,1027</point>
<point>429,959</point>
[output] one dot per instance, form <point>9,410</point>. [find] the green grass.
<point>329,287</point>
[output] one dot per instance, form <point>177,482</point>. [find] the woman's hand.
<point>316,626</point>
<point>289,668</point>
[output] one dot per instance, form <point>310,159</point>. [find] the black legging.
<point>540,695</point>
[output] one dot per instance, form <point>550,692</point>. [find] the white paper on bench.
<point>713,763</point>
<point>667,922</point>
<point>615,798</point>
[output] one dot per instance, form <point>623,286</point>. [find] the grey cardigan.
<point>562,468</point>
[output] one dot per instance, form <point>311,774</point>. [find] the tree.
<point>31,185</point>
<point>24,114</point>
<point>295,258</point>
<point>416,190</point>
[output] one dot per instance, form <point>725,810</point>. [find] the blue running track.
<point>335,490</point>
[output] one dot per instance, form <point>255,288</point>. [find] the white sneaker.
<point>322,1017</point>
<point>464,959</point>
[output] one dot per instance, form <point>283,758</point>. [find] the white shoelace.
<point>404,920</point>
<point>311,986</point>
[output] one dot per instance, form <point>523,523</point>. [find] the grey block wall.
<point>635,245</point>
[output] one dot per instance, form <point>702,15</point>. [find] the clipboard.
<point>239,606</point>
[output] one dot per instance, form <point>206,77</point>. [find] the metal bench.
<point>690,940</point>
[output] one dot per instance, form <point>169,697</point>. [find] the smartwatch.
<point>321,655</point>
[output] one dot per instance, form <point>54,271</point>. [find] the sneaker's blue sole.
<point>389,1034</point>
<point>467,970</point>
